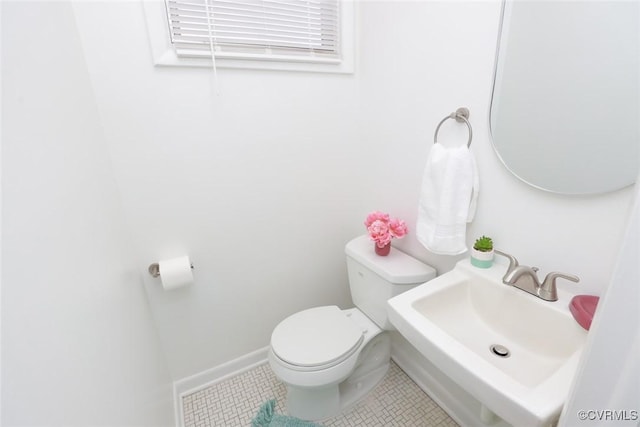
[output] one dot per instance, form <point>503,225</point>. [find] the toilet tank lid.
<point>396,268</point>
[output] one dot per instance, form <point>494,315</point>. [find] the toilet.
<point>330,358</point>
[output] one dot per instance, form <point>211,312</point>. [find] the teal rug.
<point>266,417</point>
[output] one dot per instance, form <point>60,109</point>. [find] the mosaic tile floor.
<point>396,402</point>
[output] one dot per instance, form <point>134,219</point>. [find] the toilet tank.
<point>374,279</point>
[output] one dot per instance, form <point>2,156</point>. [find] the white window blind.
<point>296,30</point>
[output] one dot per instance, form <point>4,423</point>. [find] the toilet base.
<point>313,403</point>
<point>318,403</point>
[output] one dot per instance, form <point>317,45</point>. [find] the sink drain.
<point>500,350</point>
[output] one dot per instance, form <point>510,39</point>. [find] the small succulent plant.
<point>483,244</point>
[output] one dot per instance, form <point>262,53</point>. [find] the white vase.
<point>481,259</point>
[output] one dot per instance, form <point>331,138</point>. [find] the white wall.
<point>408,93</point>
<point>264,184</point>
<point>260,186</point>
<point>78,343</point>
<point>1,104</point>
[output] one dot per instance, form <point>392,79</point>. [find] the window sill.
<point>283,63</point>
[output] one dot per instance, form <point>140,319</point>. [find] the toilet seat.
<point>316,339</point>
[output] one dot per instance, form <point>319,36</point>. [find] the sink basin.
<point>515,353</point>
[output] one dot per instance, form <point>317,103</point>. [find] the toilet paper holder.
<point>154,269</point>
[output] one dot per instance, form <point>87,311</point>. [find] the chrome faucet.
<point>526,278</point>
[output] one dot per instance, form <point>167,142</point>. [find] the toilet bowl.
<point>316,370</point>
<point>330,358</point>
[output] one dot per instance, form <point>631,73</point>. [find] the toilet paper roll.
<point>175,273</point>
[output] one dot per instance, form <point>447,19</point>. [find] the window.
<point>311,35</point>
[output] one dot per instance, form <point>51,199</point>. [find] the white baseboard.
<point>212,376</point>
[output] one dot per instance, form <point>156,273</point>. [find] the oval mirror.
<point>565,111</point>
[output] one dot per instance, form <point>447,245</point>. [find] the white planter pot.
<point>481,259</point>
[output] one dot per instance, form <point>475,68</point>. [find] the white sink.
<point>454,320</point>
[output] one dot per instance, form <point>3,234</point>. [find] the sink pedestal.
<point>488,416</point>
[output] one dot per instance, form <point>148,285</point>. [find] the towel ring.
<point>460,115</point>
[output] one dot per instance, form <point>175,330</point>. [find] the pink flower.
<point>382,228</point>
<point>375,216</point>
<point>379,233</point>
<point>397,228</point>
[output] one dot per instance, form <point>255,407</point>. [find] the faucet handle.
<point>548,287</point>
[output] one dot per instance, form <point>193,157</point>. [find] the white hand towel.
<point>448,199</point>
